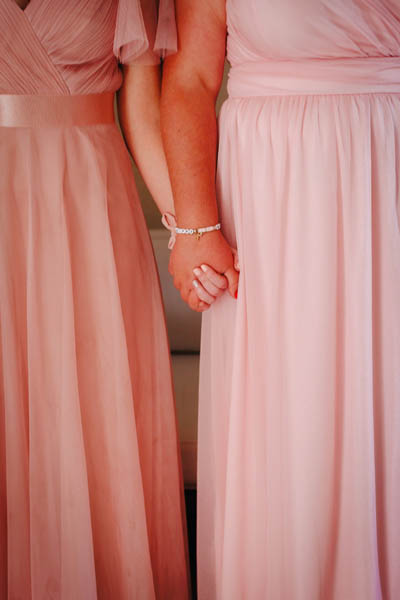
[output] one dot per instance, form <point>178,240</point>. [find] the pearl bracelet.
<point>169,221</point>
<point>199,231</point>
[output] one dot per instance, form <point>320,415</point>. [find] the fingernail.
<point>197,272</point>
<point>195,283</point>
<point>204,268</point>
<point>236,294</point>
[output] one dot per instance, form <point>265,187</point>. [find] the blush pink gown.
<point>91,503</point>
<point>299,456</point>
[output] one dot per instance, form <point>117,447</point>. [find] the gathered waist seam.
<point>315,77</point>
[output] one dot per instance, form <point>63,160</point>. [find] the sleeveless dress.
<point>91,500</point>
<point>299,433</point>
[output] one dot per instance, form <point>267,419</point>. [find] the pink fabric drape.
<point>145,30</point>
<point>91,497</point>
<point>299,422</point>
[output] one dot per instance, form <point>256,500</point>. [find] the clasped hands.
<point>203,269</point>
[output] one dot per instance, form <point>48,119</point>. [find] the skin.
<point>139,113</point>
<point>191,82</point>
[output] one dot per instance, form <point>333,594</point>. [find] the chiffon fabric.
<point>299,433</point>
<point>91,500</point>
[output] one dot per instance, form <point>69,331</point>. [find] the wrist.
<point>177,230</point>
<point>196,223</point>
<point>198,241</point>
<point>190,218</point>
<point>198,232</point>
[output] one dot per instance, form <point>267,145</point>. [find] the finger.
<point>233,281</point>
<point>185,292</point>
<point>193,302</point>
<point>216,278</point>
<point>207,284</point>
<point>196,304</point>
<point>202,293</point>
<point>236,263</point>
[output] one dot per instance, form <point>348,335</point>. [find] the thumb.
<point>233,281</point>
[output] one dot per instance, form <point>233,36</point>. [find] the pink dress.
<point>91,501</point>
<point>299,456</point>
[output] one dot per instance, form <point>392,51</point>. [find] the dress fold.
<point>298,464</point>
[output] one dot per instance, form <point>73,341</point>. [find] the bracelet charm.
<point>169,222</point>
<point>198,232</point>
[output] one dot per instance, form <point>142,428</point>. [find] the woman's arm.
<point>192,79</point>
<point>139,114</point>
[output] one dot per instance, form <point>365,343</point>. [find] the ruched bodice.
<point>290,30</point>
<point>52,47</point>
<point>75,47</point>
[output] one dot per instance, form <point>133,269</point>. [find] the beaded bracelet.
<point>169,221</point>
<point>198,232</point>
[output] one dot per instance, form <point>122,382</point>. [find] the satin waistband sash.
<point>56,111</point>
<point>315,77</point>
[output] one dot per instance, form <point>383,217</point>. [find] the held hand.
<point>209,285</point>
<point>199,289</point>
<point>212,282</point>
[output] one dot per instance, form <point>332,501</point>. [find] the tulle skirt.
<point>299,449</point>
<point>90,491</point>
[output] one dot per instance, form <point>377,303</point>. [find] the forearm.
<point>190,140</point>
<point>139,113</point>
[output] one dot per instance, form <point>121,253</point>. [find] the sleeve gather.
<point>145,31</point>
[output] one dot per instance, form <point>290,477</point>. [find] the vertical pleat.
<point>3,487</point>
<point>78,568</point>
<point>303,470</point>
<point>153,402</point>
<point>58,491</point>
<point>91,497</point>
<point>108,418</point>
<point>15,400</point>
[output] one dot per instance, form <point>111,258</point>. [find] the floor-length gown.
<point>91,502</point>
<point>299,449</point>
